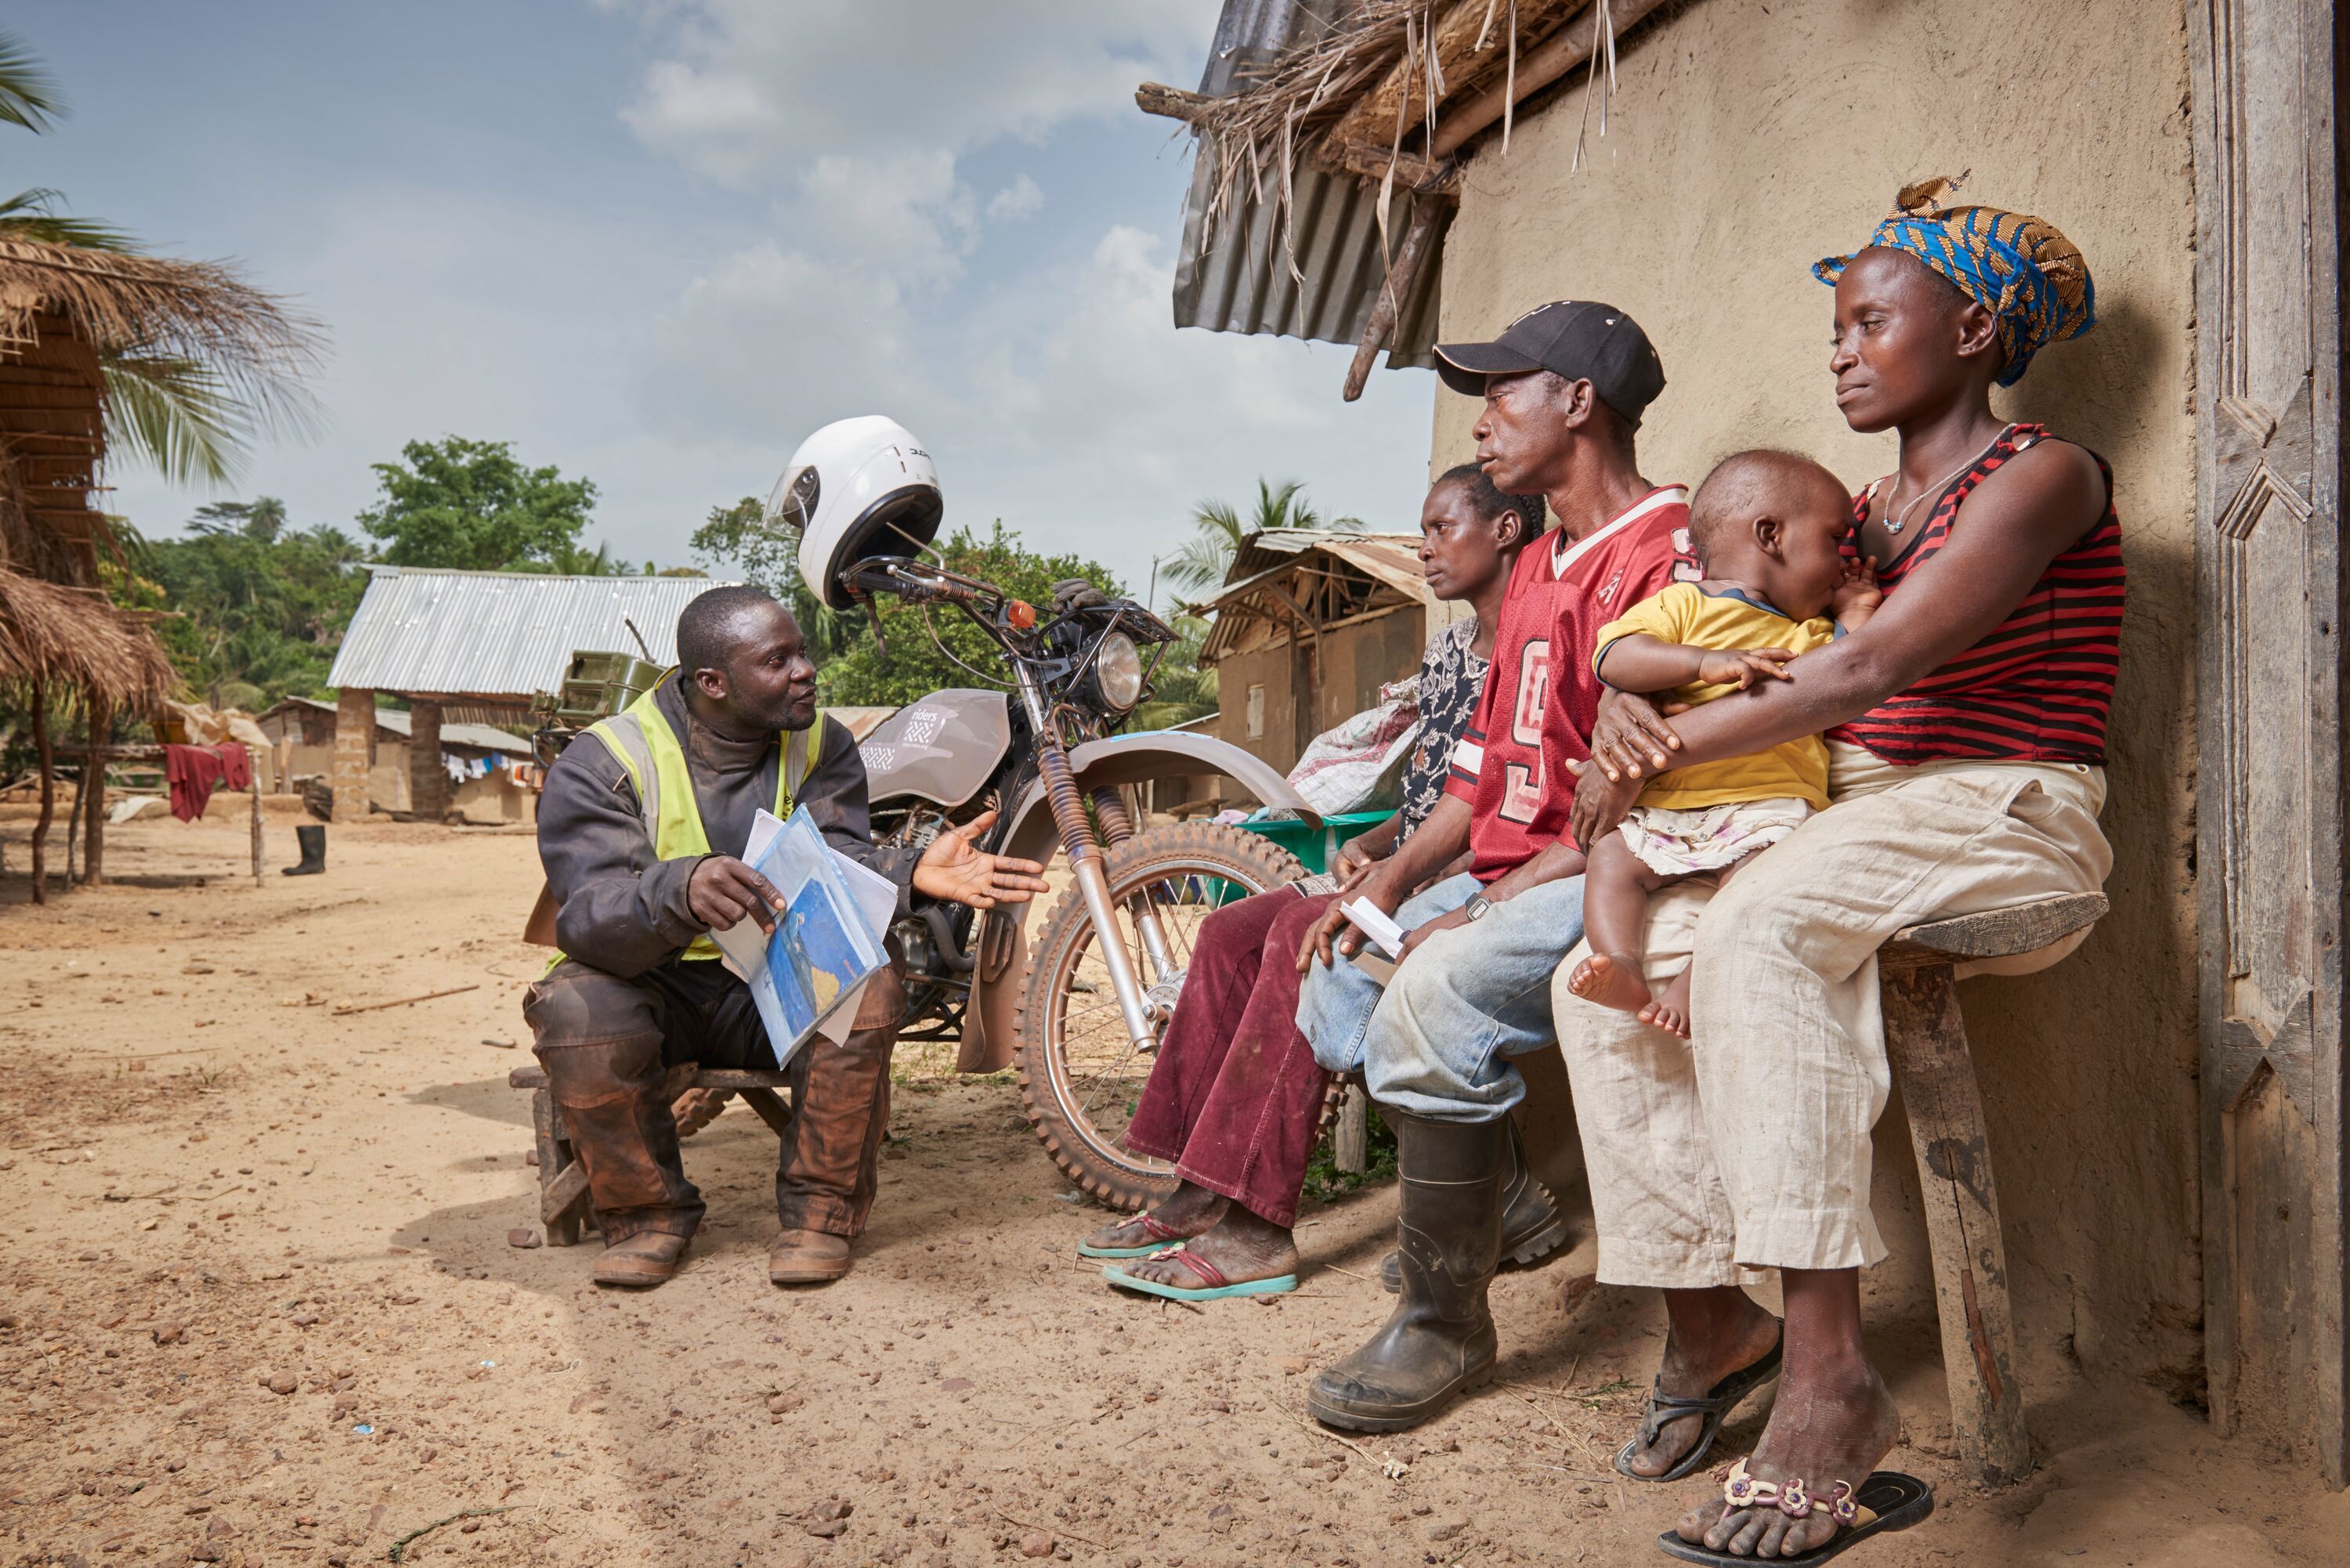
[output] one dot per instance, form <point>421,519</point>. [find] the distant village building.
<point>1309,625</point>
<point>469,649</point>
<point>495,763</point>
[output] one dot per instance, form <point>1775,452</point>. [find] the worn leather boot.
<point>646,1259</point>
<point>1530,1228</point>
<point>1441,1339</point>
<point>807,1258</point>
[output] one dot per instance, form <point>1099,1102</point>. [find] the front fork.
<point>1109,809</point>
<point>1088,870</point>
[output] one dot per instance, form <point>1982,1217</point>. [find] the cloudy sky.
<point>655,242</point>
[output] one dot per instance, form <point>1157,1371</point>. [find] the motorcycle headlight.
<point>1117,672</point>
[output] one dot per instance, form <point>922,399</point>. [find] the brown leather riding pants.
<point>608,1044</point>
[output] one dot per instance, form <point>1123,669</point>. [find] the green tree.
<point>1219,528</point>
<point>915,664</point>
<point>472,505</point>
<point>262,518</point>
<point>1182,688</point>
<point>257,609</point>
<point>737,541</point>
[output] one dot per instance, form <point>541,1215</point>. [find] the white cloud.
<point>1037,360</point>
<point>1021,199</point>
<point>752,88</point>
<point>1061,401</point>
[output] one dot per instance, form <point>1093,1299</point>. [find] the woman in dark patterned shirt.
<point>1235,1097</point>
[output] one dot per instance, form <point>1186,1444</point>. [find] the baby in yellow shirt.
<point>1768,529</point>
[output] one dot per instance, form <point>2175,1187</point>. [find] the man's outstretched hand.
<point>953,870</point>
<point>721,891</point>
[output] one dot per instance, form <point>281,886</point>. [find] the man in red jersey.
<point>1565,387</point>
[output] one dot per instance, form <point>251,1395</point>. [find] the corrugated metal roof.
<point>1392,560</point>
<point>500,633</point>
<point>1237,278</point>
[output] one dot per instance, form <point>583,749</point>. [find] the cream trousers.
<point>1747,1147</point>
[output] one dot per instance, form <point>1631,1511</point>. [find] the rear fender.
<point>987,1032</point>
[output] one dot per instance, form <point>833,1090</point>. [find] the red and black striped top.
<point>2039,688</point>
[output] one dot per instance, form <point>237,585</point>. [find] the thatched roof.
<point>66,311</point>
<point>74,640</point>
<point>1392,89</point>
<point>63,309</point>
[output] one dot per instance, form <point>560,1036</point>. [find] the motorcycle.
<point>1082,1013</point>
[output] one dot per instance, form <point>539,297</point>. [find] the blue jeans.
<point>1437,1044</point>
<point>1335,1004</point>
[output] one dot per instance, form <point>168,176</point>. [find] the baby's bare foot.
<point>1671,1010</point>
<point>1610,981</point>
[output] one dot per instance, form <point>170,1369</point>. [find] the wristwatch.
<point>1477,908</point>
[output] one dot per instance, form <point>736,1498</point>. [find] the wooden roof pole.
<point>1385,311</point>
<point>48,790</point>
<point>1363,160</point>
<point>1453,39</point>
<point>91,799</point>
<point>1570,46</point>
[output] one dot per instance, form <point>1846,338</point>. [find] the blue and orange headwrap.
<point>2019,268</point>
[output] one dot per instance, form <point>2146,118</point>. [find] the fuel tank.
<point>944,749</point>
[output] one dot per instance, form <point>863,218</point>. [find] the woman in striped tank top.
<point>1967,730</point>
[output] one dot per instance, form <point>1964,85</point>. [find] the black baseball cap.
<point>1580,340</point>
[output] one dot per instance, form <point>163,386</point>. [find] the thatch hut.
<point>77,327</point>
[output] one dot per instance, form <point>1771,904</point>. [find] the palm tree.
<point>27,97</point>
<point>1219,530</point>
<point>262,518</point>
<point>190,398</point>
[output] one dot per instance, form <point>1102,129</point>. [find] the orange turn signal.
<point>1020,615</point>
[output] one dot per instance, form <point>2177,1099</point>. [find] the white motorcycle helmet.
<point>854,489</point>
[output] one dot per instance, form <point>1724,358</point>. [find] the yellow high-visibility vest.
<point>640,736</point>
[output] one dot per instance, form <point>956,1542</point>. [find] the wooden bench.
<point>1926,1036</point>
<point>563,1180</point>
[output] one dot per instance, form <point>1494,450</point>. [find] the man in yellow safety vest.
<point>640,828</point>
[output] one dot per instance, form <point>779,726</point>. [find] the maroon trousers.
<point>1235,1097</point>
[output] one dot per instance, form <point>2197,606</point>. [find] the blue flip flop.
<point>1213,1284</point>
<point>1162,1236</point>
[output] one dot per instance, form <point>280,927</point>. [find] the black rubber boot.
<point>1441,1341</point>
<point>314,851</point>
<point>1530,1228</point>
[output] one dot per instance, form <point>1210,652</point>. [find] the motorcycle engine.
<point>914,828</point>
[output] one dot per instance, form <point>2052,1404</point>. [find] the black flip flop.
<point>1662,1410</point>
<point>1890,1500</point>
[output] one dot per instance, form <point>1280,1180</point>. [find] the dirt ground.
<point>260,1307</point>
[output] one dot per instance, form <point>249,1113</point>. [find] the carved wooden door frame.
<point>2270,788</point>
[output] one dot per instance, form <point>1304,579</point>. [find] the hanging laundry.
<point>193,771</point>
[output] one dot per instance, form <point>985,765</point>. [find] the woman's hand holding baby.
<point>1631,731</point>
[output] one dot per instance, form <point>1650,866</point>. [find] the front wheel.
<point>1080,1076</point>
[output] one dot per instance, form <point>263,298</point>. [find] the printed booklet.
<point>809,976</point>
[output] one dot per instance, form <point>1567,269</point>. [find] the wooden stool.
<point>1926,1036</point>
<point>563,1180</point>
